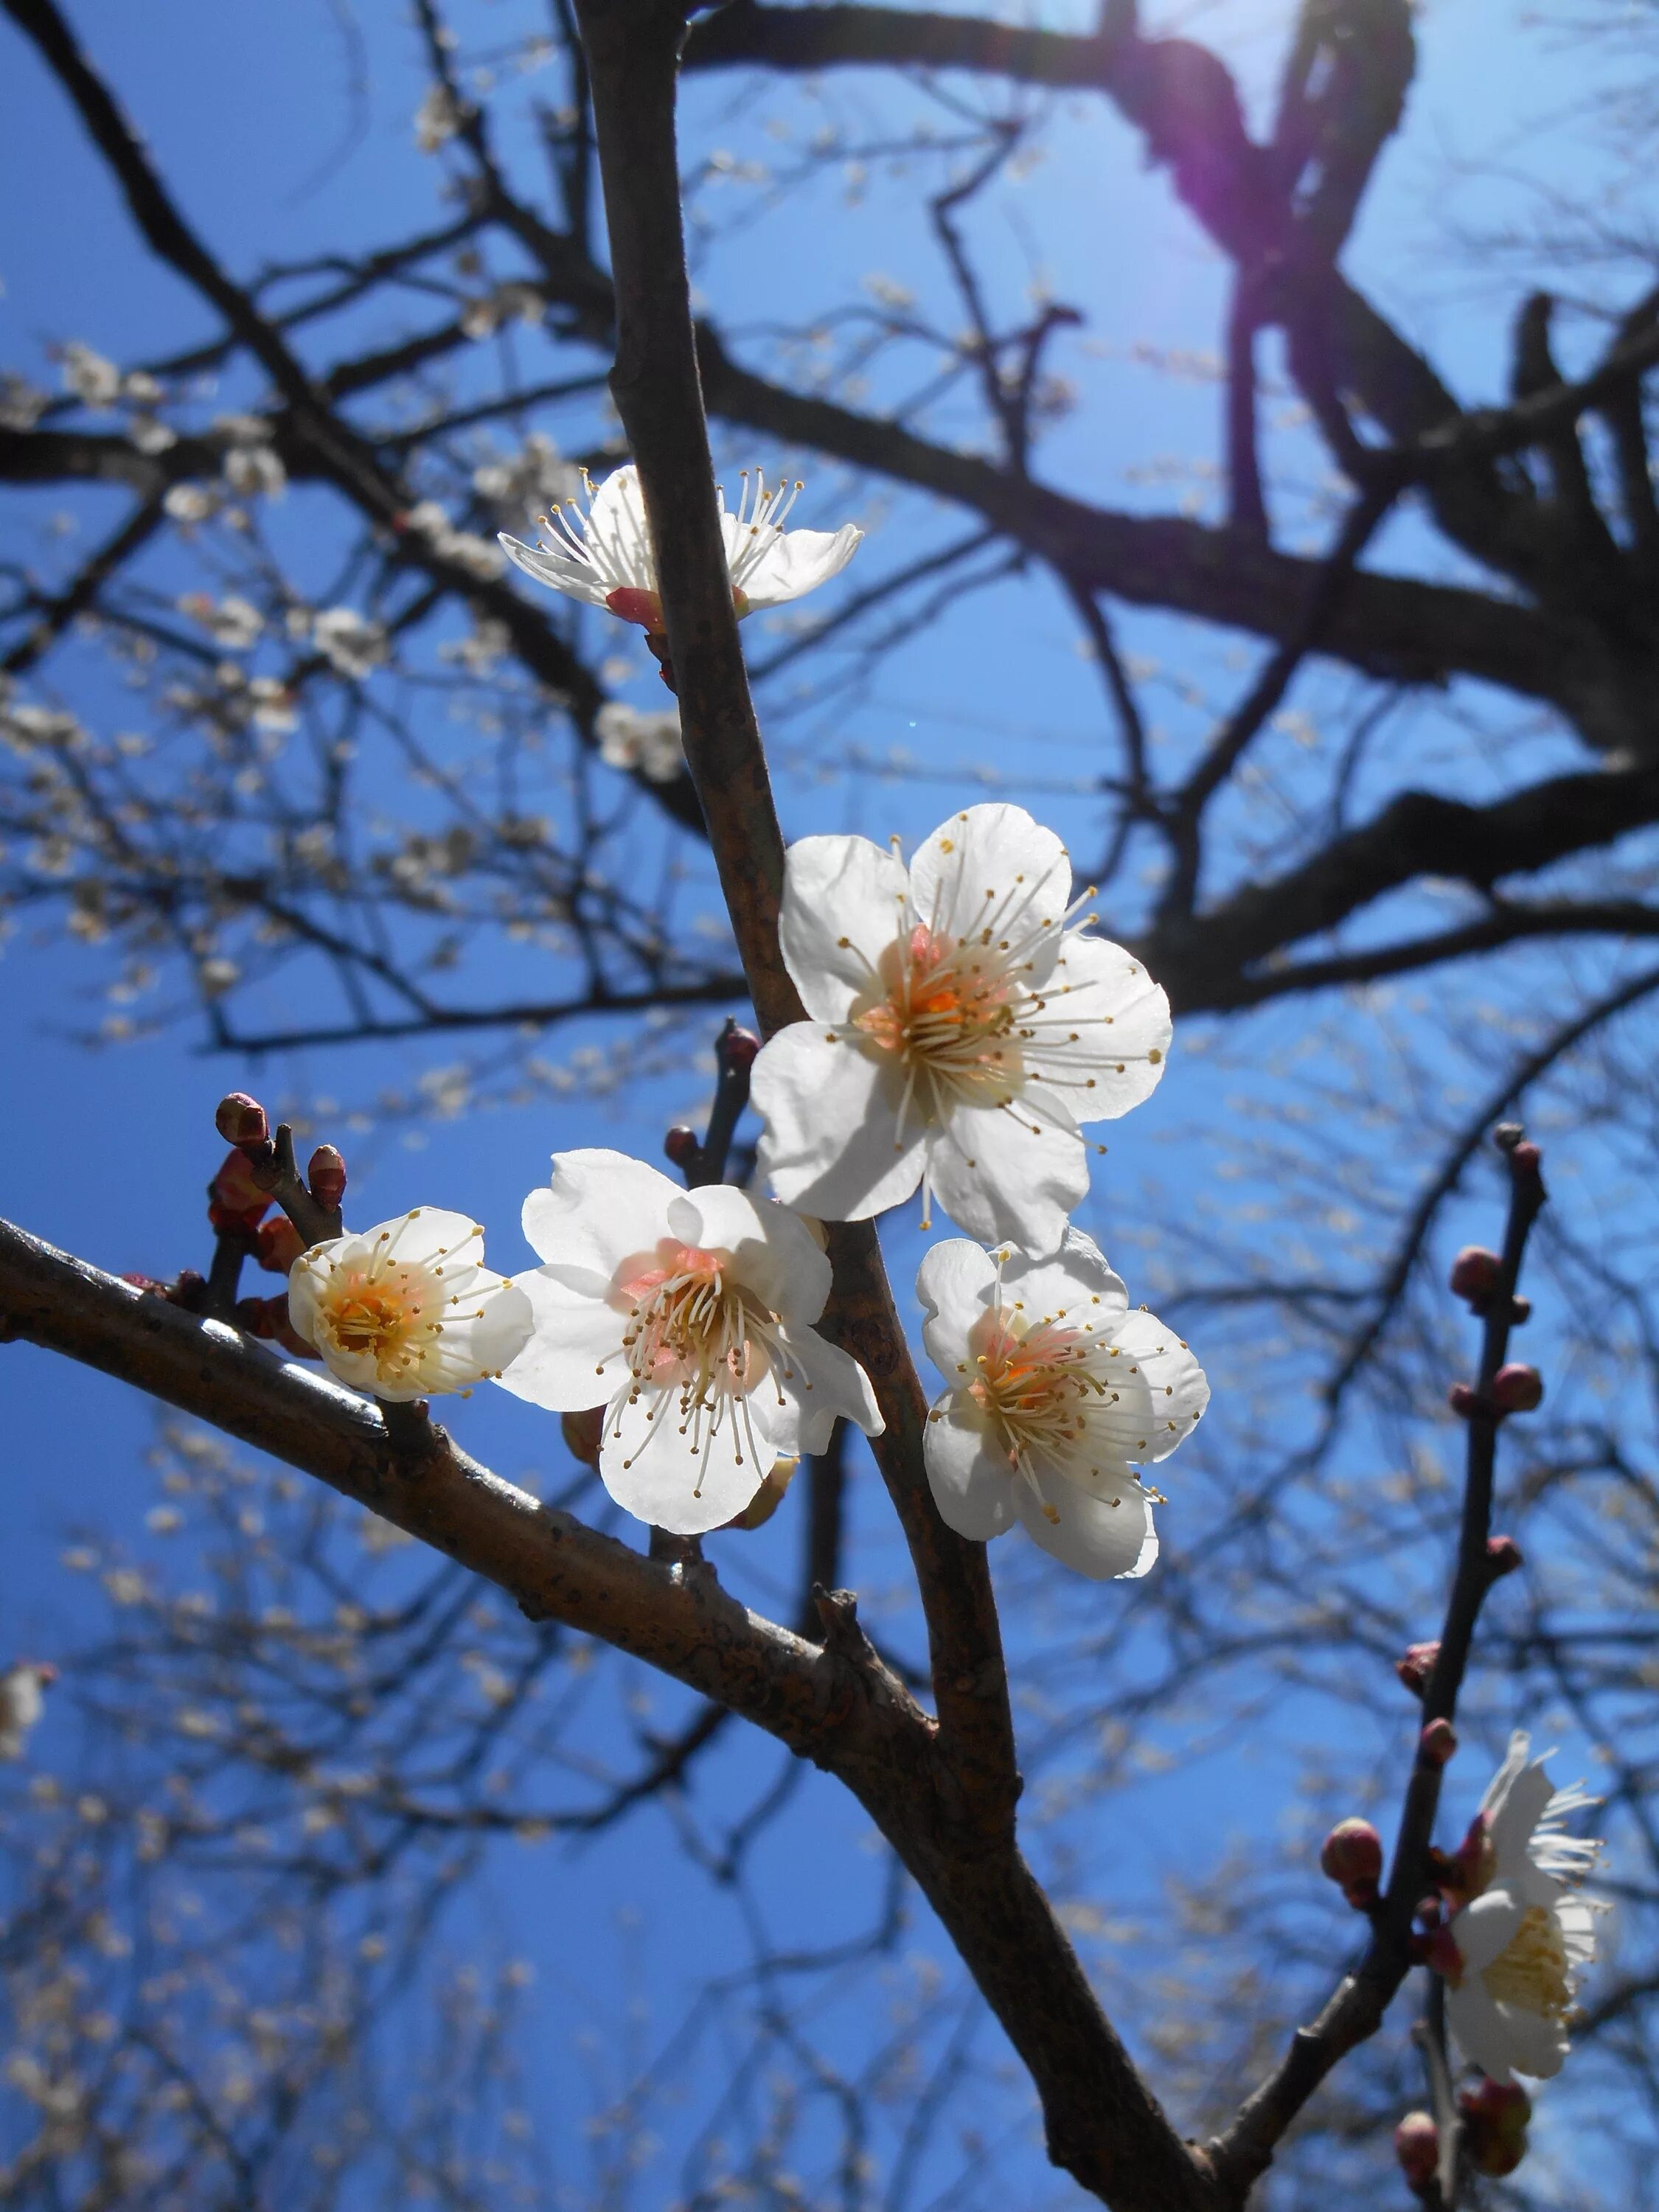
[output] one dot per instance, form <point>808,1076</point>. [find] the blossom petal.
<point>574,1360</point>
<point>601,1208</point>
<point>1007,1176</point>
<point>834,1388</point>
<point>616,534</point>
<point>1179,1387</point>
<point>480,1343</point>
<point>990,866</point>
<point>429,1233</point>
<point>1103,1037</point>
<point>796,562</point>
<point>844,905</point>
<point>954,1283</point>
<point>654,1473</point>
<point>1478,2022</point>
<point>1076,1282</point>
<point>775,1254</point>
<point>560,572</point>
<point>1094,1537</point>
<point>973,1486</point>
<point>1515,1804</point>
<point>1486,1927</point>
<point>831,1144</point>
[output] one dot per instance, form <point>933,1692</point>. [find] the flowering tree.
<point>953,1024</point>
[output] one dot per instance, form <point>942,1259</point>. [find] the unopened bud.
<point>268,1319</point>
<point>1436,1743</point>
<point>1507,1135</point>
<point>738,1048</point>
<point>1520,1311</point>
<point>241,1119</point>
<point>1503,1555</point>
<point>1463,1400</point>
<point>583,1434</point>
<point>1517,1388</point>
<point>1417,2146</point>
<point>1474,1272</point>
<point>1352,1858</point>
<point>1415,1669</point>
<point>682,1146</point>
<point>279,1245</point>
<point>235,1201</point>
<point>325,1177</point>
<point>1494,2126</point>
<point>1526,1160</point>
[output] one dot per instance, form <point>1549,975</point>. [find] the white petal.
<point>973,1486</point>
<point>831,1125</point>
<point>1514,1807</point>
<point>1479,2026</point>
<point>652,1473</point>
<point>992,849</point>
<point>795,563</point>
<point>481,1341</point>
<point>561,572</point>
<point>775,1255</point>
<point>601,1208</point>
<point>954,1282</point>
<point>1076,1282</point>
<point>844,905</point>
<point>1106,1543</point>
<point>1007,1176</point>
<point>829,1385</point>
<point>1537,2043</point>
<point>1179,1388</point>
<point>429,1233</point>
<point>1485,1929</point>
<point>616,535</point>
<point>1122,1020</point>
<point>574,1360</point>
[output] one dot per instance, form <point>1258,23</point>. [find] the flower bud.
<point>1520,1311</point>
<point>1463,1400</point>
<point>1352,1858</point>
<point>1436,1743</point>
<point>1494,2126</point>
<point>738,1048</point>
<point>1474,1272</point>
<point>1417,2146</point>
<point>1415,1669</point>
<point>325,1176</point>
<point>241,1119</point>
<point>279,1245</point>
<point>682,1146</point>
<point>1503,1556</point>
<point>583,1434</point>
<point>269,1320</point>
<point>1517,1388</point>
<point>235,1201</point>
<point>1507,1135</point>
<point>634,605</point>
<point>1526,1160</point>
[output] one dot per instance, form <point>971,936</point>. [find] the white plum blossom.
<point>430,520</point>
<point>351,645</point>
<point>1054,1392</point>
<point>437,118</point>
<point>408,1309</point>
<point>645,741</point>
<point>536,476</point>
<point>94,381</point>
<point>688,1314</point>
<point>602,553</point>
<point>235,623</point>
<point>1513,1952</point>
<point>22,1702</point>
<point>958,1030</point>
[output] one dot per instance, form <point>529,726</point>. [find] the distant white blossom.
<point>1513,1953</point>
<point>602,553</point>
<point>188,503</point>
<point>689,1316</point>
<point>234,622</point>
<point>533,478</point>
<point>408,1309</point>
<point>431,520</point>
<point>1054,1393</point>
<point>22,404</point>
<point>958,1030</point>
<point>437,118</point>
<point>643,741</point>
<point>94,381</point>
<point>352,645</point>
<point>22,1702</point>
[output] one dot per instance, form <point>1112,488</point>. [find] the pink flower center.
<point>946,1012</point>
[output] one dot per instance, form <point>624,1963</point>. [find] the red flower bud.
<point>325,1174</point>
<point>1436,1743</point>
<point>682,1146</point>
<point>1352,1858</point>
<point>1520,1311</point>
<point>1474,1272</point>
<point>268,1319</point>
<point>1494,2126</point>
<point>1517,1388</point>
<point>1463,1401</point>
<point>1417,1666</point>
<point>738,1048</point>
<point>280,1244</point>
<point>583,1434</point>
<point>1526,1160</point>
<point>1417,2146</point>
<point>1503,1555</point>
<point>241,1119</point>
<point>235,1201</point>
<point>636,606</point>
